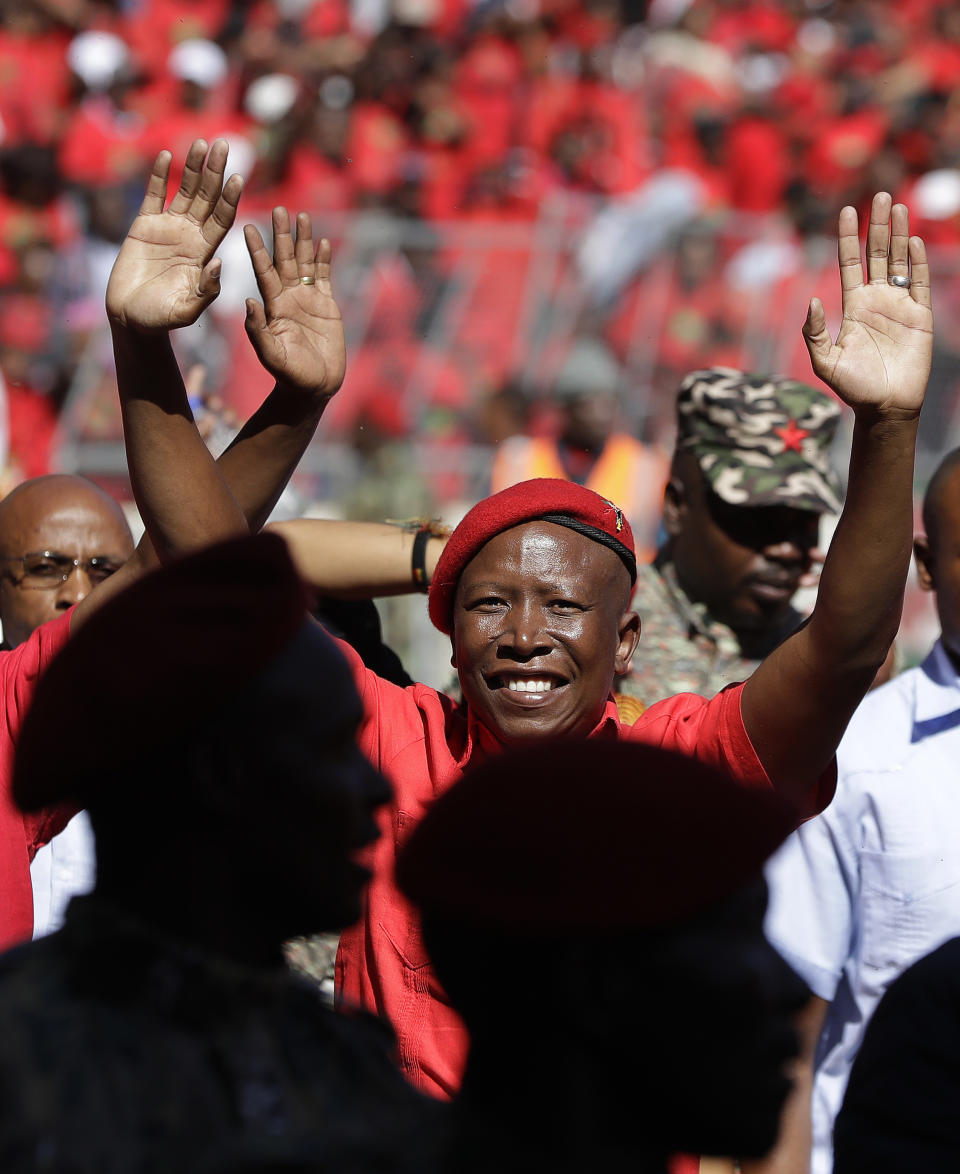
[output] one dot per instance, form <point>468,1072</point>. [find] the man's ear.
<point>923,554</point>
<point>629,632</point>
<point>674,506</point>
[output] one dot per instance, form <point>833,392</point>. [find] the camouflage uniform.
<point>759,441</point>
<point>682,648</point>
<point>124,1052</point>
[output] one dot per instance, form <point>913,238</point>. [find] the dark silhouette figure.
<point>900,1109</point>
<point>208,726</point>
<point>638,1009</point>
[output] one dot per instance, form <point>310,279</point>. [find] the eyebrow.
<point>544,587</point>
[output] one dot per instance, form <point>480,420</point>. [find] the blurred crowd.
<point>497,178</point>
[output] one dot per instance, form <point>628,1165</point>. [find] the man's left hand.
<point>880,362</point>
<point>297,332</point>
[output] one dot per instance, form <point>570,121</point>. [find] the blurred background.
<point>500,179</point>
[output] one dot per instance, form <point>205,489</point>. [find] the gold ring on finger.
<point>308,281</point>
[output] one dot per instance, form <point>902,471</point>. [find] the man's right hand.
<point>166,274</point>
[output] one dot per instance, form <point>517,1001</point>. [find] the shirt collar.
<point>938,686</point>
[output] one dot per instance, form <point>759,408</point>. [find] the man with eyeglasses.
<point>60,537</point>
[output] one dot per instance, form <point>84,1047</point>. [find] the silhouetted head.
<point>936,551</point>
<point>60,536</point>
<point>623,884</point>
<point>534,588</point>
<point>209,726</point>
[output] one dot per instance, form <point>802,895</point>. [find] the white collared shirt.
<point>863,890</point>
<point>64,868</point>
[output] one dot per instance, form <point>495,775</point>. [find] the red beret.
<point>154,662</point>
<point>544,499</point>
<point>596,835</point>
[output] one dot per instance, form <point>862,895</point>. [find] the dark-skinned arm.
<point>165,276</point>
<point>297,333</point>
<point>791,1154</point>
<point>797,704</point>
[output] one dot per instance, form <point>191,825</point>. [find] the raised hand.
<point>297,331</point>
<point>166,274</point>
<point>881,359</point>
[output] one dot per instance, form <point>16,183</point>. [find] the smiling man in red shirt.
<point>534,587</point>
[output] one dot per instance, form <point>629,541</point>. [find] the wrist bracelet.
<point>418,559</point>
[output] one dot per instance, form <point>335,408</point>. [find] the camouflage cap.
<point>760,440</point>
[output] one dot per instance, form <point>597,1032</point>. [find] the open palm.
<point>166,274</point>
<point>881,358</point>
<point>297,332</point>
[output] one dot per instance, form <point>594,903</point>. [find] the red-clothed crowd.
<point>482,116</point>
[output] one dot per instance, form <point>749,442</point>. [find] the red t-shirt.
<point>423,741</point>
<point>21,835</point>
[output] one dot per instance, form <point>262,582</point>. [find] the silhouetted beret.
<point>153,663</point>
<point>546,499</point>
<point>596,836</point>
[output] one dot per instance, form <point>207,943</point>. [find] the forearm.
<point>797,704</point>
<point>791,1154</point>
<point>182,498</point>
<point>263,455</point>
<point>861,589</point>
<point>355,560</point>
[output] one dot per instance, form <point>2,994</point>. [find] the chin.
<point>753,1138</point>
<point>330,912</point>
<point>747,1125</point>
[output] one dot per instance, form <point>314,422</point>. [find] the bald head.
<point>67,516</point>
<point>943,488</point>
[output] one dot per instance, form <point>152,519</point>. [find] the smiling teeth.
<point>525,686</point>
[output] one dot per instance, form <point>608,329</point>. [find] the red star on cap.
<point>791,436</point>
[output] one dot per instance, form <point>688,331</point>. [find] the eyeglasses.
<point>48,569</point>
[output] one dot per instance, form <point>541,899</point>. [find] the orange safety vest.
<point>628,473</point>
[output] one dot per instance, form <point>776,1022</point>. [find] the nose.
<point>74,588</point>
<point>524,636</point>
<point>790,549</point>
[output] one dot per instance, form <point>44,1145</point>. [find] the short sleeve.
<point>712,730</point>
<point>21,667</point>
<point>810,917</point>
<point>20,670</point>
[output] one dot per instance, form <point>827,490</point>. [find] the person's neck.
<point>755,642</point>
<point>952,655</point>
<point>578,460</point>
<point>203,919</point>
<point>529,1119</point>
